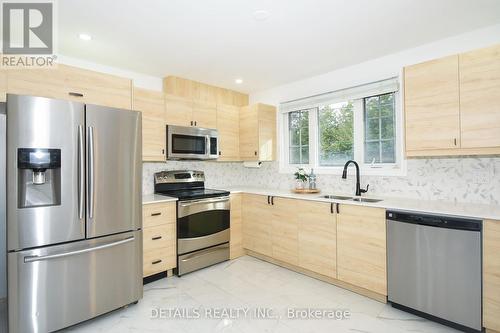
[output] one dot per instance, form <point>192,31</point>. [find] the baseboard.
<point>358,290</point>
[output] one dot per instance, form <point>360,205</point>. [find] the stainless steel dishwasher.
<point>434,267</point>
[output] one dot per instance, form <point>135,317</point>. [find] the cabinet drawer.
<point>159,237</point>
<point>159,260</point>
<point>158,214</point>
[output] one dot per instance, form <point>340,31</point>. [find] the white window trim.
<point>399,169</point>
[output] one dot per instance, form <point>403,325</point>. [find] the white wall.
<point>377,69</point>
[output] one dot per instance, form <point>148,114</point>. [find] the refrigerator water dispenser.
<point>39,177</point>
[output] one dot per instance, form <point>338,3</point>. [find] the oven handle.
<point>191,207</point>
<point>188,203</point>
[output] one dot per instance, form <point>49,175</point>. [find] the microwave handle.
<point>207,145</point>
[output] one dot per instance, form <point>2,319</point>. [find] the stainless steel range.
<point>202,219</point>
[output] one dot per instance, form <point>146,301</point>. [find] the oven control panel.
<point>179,176</point>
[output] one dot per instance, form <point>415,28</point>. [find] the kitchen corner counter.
<point>470,210</point>
<point>156,198</point>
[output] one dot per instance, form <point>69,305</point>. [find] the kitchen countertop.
<point>156,198</point>
<point>471,210</point>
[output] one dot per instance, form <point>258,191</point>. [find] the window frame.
<point>397,169</point>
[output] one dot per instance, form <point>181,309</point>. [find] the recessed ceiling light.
<point>261,15</point>
<point>238,81</point>
<point>85,36</point>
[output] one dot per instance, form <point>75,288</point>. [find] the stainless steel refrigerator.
<point>74,218</point>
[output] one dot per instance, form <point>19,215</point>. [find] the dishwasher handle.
<point>438,221</point>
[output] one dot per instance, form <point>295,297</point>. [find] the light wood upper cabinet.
<point>151,105</point>
<point>491,275</point>
<point>98,88</point>
<point>72,83</point>
<point>178,110</point>
<point>258,133</point>
<point>480,98</point>
<point>361,247</point>
<point>228,125</point>
<point>285,230</point>
<point>257,216</point>
<point>236,237</point>
<point>317,236</point>
<point>204,114</point>
<point>432,111</point>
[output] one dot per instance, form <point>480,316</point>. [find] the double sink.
<point>357,199</point>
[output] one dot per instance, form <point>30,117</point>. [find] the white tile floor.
<point>249,283</point>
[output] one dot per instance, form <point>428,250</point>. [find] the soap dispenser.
<point>312,180</point>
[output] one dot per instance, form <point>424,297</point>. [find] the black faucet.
<point>344,176</point>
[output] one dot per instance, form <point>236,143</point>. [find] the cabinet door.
<point>228,125</point>
<point>317,237</point>
<point>151,104</point>
<point>480,98</point>
<point>491,274</point>
<point>249,133</point>
<point>236,238</point>
<point>361,247</point>
<point>178,111</point>
<point>267,132</point>
<point>204,114</point>
<point>257,217</point>
<point>285,230</point>
<point>48,83</point>
<point>432,113</point>
<point>98,88</point>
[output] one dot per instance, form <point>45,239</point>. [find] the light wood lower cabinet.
<point>236,237</point>
<point>257,216</point>
<point>491,275</point>
<point>317,237</point>
<point>285,230</point>
<point>361,247</point>
<point>159,237</point>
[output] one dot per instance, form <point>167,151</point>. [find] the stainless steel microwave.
<point>192,143</point>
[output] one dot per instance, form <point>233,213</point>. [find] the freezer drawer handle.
<point>72,253</point>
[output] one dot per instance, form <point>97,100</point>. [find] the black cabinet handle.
<point>255,153</point>
<point>220,153</point>
<point>195,123</point>
<point>331,208</point>
<point>155,214</point>
<point>268,198</point>
<point>338,210</point>
<point>163,151</point>
<point>272,201</point>
<point>75,94</point>
<point>156,262</point>
<point>156,238</point>
<point>191,123</point>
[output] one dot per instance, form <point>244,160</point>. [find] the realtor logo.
<point>28,28</point>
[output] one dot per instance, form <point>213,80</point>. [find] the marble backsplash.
<point>465,179</point>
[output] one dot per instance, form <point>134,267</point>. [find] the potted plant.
<point>300,179</point>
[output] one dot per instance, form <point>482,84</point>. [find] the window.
<point>324,132</point>
<point>298,128</point>
<point>336,134</point>
<point>379,129</point>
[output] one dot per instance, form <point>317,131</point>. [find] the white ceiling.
<point>217,41</point>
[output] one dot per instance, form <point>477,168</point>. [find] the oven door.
<point>191,143</point>
<point>202,223</point>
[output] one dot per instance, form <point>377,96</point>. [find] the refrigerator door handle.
<point>81,173</point>
<point>90,171</point>
<point>29,259</point>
